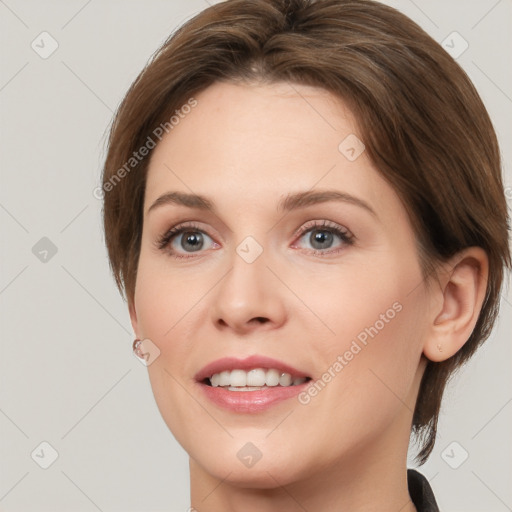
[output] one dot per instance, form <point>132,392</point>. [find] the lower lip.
<point>251,401</point>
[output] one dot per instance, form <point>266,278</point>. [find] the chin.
<point>262,475</point>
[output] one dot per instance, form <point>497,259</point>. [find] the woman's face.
<point>328,285</point>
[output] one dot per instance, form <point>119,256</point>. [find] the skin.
<point>246,147</point>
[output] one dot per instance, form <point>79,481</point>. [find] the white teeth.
<point>256,377</point>
<point>215,380</point>
<point>240,380</point>
<point>225,378</point>
<point>285,379</point>
<point>272,378</point>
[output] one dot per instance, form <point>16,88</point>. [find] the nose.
<point>249,297</point>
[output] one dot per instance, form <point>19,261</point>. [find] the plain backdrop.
<point>68,378</point>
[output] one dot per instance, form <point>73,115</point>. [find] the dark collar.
<point>421,492</point>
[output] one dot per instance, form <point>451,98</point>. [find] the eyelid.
<point>163,241</point>
<point>165,238</point>
<point>318,224</point>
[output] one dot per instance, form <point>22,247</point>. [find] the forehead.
<point>261,141</point>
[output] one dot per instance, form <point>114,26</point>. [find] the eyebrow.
<point>288,203</point>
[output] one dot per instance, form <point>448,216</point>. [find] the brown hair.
<point>423,123</point>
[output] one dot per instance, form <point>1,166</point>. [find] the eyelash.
<point>347,238</point>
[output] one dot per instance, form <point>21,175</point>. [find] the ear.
<point>463,289</point>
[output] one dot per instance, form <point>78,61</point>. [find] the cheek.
<point>165,297</point>
<point>374,360</point>
<point>370,358</point>
<point>356,300</point>
<point>365,387</point>
<point>163,303</point>
<point>169,305</point>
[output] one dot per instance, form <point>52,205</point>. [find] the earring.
<point>135,347</point>
<point>439,347</point>
<point>145,350</point>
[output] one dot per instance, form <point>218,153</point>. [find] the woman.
<point>304,210</point>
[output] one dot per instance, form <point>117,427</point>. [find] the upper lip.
<point>254,361</point>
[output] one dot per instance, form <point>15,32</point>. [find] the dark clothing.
<point>421,492</point>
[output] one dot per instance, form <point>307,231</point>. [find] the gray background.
<point>68,376</point>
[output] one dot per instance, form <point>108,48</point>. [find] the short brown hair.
<point>423,123</point>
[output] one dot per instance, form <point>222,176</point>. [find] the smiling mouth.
<point>253,380</point>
